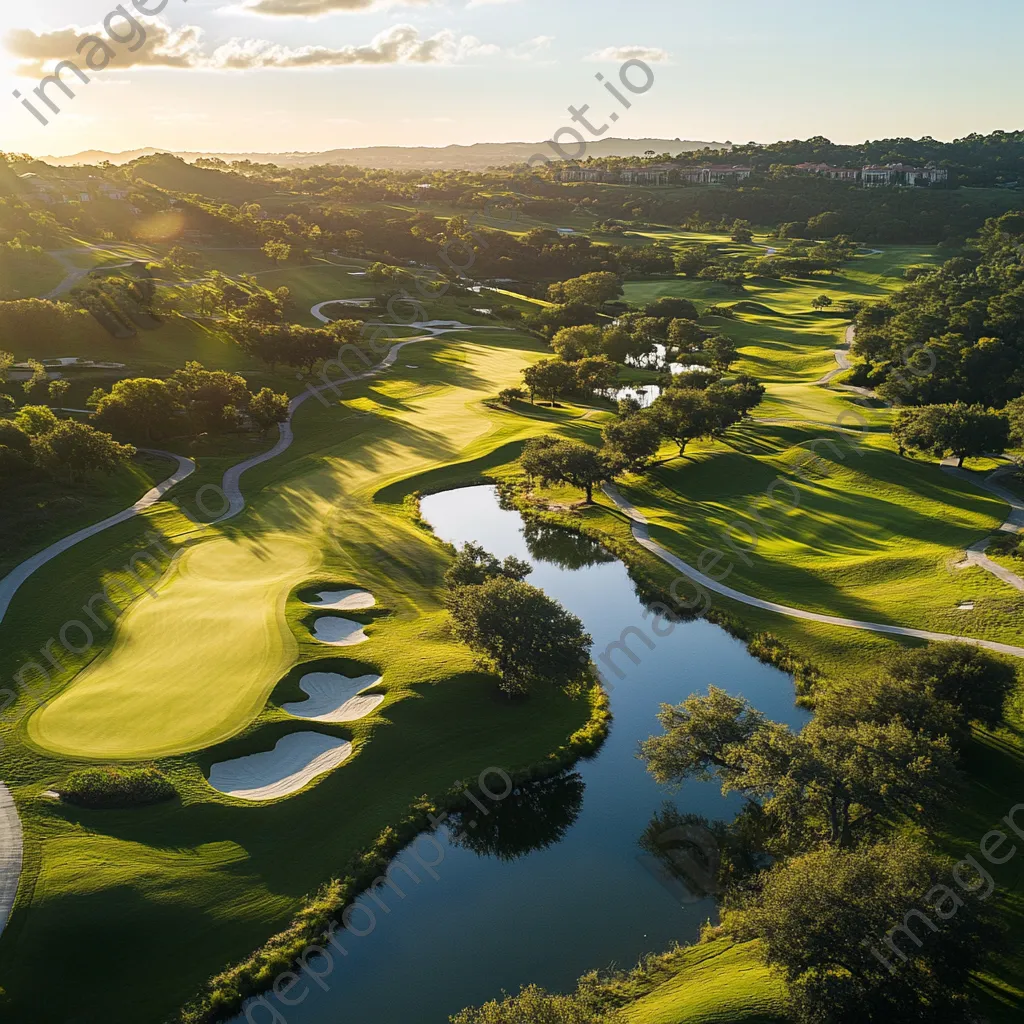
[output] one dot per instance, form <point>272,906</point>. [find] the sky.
<point>312,75</point>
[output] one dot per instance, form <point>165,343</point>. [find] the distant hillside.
<point>172,173</point>
<point>93,157</point>
<point>476,157</point>
<point>10,183</point>
<point>487,154</point>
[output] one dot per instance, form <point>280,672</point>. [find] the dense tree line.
<point>976,159</point>
<point>955,333</point>
<point>844,896</point>
<point>190,402</point>
<point>35,440</point>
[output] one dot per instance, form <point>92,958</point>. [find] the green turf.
<point>714,983</point>
<point>31,278</point>
<point>208,880</point>
<point>40,511</point>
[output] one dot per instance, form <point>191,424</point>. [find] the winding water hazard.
<point>548,882</point>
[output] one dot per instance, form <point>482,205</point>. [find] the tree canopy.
<point>823,785</point>
<point>525,637</point>
<point>823,919</point>
<point>554,460</point>
<point>960,430</point>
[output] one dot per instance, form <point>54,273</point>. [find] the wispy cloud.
<point>168,47</point>
<point>650,54</point>
<point>321,8</point>
<point>532,49</point>
<point>400,44</point>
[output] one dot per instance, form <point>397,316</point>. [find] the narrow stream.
<point>571,889</point>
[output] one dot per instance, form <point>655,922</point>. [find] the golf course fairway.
<point>192,664</point>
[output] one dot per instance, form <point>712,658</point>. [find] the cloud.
<point>400,44</point>
<point>156,45</point>
<point>320,8</point>
<point>650,54</point>
<point>487,3</point>
<point>182,48</point>
<point>532,48</point>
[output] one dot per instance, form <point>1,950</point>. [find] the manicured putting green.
<point>194,666</point>
<point>191,665</point>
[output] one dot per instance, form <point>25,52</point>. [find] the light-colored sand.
<point>336,698</point>
<point>10,854</point>
<point>295,761</point>
<point>338,632</point>
<point>343,600</point>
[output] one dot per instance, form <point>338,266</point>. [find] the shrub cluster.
<point>102,788</point>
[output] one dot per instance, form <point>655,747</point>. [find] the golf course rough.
<point>190,666</point>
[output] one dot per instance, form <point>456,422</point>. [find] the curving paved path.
<point>641,534</point>
<point>10,583</point>
<point>231,483</point>
<point>10,825</point>
<point>16,577</point>
<point>975,554</point>
<point>316,310</point>
<point>76,273</point>
<point>843,363</point>
<point>10,854</point>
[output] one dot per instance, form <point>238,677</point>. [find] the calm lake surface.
<point>590,897</point>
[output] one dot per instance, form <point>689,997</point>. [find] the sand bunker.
<point>338,632</point>
<point>336,698</point>
<point>295,761</point>
<point>343,600</point>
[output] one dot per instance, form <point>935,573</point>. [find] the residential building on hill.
<point>650,174</point>
<point>714,174</point>
<point>828,171</point>
<point>902,174</point>
<point>577,172</point>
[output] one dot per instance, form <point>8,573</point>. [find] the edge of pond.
<point>225,994</point>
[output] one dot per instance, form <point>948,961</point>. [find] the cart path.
<point>17,576</point>
<point>975,554</point>
<point>10,854</point>
<point>641,534</point>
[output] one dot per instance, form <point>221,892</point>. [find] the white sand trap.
<point>343,600</point>
<point>296,760</point>
<point>338,632</point>
<point>336,698</point>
